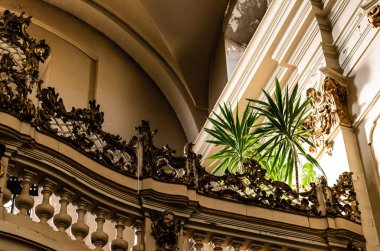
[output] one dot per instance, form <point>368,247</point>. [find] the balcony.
<point>87,182</point>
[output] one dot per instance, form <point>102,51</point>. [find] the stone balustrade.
<point>145,213</point>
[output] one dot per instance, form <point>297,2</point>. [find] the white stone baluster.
<point>256,246</point>
<point>24,202</point>
<point>119,244</point>
<point>198,239</point>
<point>80,229</point>
<point>62,220</point>
<point>237,244</point>
<point>139,244</point>
<point>99,238</point>
<point>45,211</point>
<point>218,242</point>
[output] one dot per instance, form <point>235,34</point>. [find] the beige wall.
<point>85,64</point>
<point>218,75</point>
<point>364,89</point>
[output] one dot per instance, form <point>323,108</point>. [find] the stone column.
<point>330,114</point>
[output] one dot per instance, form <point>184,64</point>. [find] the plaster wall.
<point>84,65</point>
<point>364,90</point>
<point>218,74</point>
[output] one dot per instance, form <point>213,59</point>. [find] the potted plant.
<point>276,142</point>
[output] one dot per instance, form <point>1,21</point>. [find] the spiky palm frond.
<point>233,134</point>
<point>283,132</point>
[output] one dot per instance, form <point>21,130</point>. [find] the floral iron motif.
<point>253,187</point>
<point>166,229</point>
<point>83,129</point>
<point>20,57</point>
<point>21,95</point>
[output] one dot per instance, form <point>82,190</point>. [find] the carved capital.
<point>374,16</point>
<point>329,109</point>
<point>372,8</point>
<point>166,230</point>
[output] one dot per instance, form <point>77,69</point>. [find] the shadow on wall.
<point>356,84</point>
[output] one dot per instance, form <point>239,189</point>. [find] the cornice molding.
<point>295,26</point>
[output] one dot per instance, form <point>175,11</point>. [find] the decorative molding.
<point>304,44</point>
<point>374,16</point>
<point>372,9</point>
<point>329,110</point>
<point>166,230</point>
<point>295,26</point>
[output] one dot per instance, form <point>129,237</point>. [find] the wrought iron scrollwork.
<point>20,56</point>
<point>253,187</point>
<point>21,94</point>
<point>82,127</point>
<point>160,163</point>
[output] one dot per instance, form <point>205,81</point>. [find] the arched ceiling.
<point>174,41</point>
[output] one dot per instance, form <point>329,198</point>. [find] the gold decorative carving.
<point>329,110</point>
<point>374,16</point>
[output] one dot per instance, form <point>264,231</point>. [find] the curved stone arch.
<point>159,68</point>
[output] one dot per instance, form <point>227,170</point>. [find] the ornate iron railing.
<point>22,95</point>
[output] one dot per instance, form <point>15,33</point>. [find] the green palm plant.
<point>233,134</point>
<point>283,132</point>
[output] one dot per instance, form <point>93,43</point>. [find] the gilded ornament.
<point>329,109</point>
<point>374,16</point>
